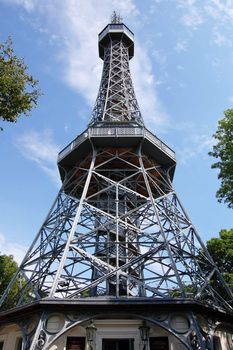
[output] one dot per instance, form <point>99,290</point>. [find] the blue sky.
<point>182,73</point>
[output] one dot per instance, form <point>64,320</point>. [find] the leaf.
<point>18,89</point>
<point>223,152</point>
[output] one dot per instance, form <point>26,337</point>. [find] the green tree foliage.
<point>221,250</point>
<point>8,267</point>
<point>223,151</point>
<point>18,90</point>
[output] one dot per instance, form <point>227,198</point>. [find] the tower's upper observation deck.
<point>116,31</point>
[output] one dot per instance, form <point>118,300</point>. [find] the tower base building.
<point>116,325</point>
<point>117,263</point>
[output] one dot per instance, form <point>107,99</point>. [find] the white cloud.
<point>220,10</point>
<point>77,24</point>
<point>145,89</point>
<point>12,248</point>
<point>221,39</point>
<point>83,68</point>
<point>217,13</point>
<point>29,5</point>
<point>181,46</point>
<point>160,57</point>
<point>191,16</point>
<point>40,148</point>
<point>197,145</point>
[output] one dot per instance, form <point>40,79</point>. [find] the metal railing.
<point>117,131</point>
<point>160,144</point>
<point>114,28</point>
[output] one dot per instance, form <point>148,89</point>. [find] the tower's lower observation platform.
<point>117,136</point>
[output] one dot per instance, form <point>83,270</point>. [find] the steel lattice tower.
<point>117,229</point>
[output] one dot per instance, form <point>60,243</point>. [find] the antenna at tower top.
<point>116,18</point>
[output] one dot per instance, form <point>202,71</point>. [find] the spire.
<point>116,18</point>
<point>116,101</point>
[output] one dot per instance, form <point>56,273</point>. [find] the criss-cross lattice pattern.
<point>116,100</point>
<point>117,228</point>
